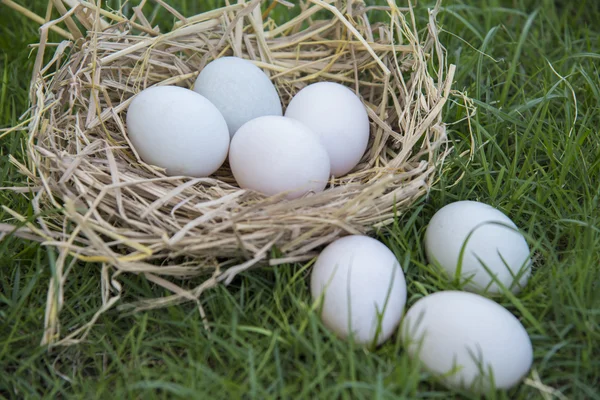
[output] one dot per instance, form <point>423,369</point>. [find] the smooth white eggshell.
<point>356,277</point>
<point>273,155</point>
<point>496,246</point>
<point>179,130</point>
<point>339,117</point>
<point>239,89</point>
<point>457,334</point>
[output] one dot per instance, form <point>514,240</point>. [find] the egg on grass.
<point>479,246</point>
<point>179,130</point>
<point>239,89</point>
<point>468,341</point>
<point>360,289</point>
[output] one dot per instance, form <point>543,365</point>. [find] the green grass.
<point>531,66</point>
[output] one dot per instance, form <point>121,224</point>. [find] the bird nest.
<point>95,200</point>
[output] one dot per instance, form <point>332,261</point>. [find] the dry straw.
<point>96,201</point>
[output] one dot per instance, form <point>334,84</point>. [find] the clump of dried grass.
<point>127,215</point>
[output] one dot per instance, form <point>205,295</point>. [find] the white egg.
<point>362,289</point>
<point>179,130</point>
<point>239,89</point>
<point>273,155</point>
<point>457,335</point>
<point>339,117</point>
<point>495,247</point>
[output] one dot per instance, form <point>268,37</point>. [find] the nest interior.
<point>130,217</point>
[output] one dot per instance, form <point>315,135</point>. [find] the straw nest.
<point>96,201</point>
